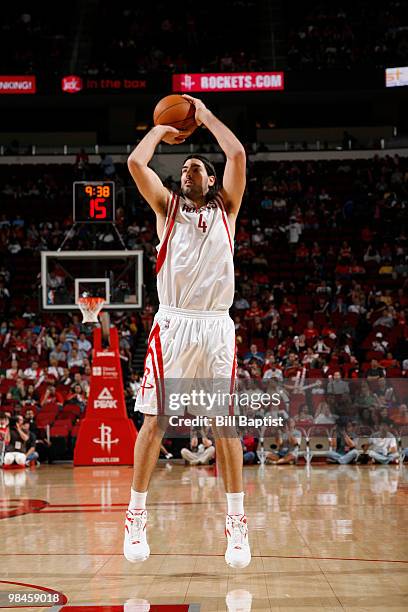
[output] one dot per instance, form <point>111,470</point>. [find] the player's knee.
<point>153,426</point>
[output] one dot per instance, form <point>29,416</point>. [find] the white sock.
<point>235,503</point>
<point>137,500</point>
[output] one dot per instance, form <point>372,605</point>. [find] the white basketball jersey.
<point>195,268</point>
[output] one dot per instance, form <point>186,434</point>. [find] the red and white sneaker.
<point>135,546</point>
<point>238,553</point>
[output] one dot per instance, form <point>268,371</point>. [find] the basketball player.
<point>192,335</point>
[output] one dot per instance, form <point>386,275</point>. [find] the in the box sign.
<point>105,399</point>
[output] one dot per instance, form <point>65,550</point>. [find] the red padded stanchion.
<point>106,435</point>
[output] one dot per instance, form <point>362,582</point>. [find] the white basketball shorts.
<point>188,348</point>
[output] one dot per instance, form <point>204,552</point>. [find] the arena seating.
<point>34,39</point>
<point>122,45</point>
<point>345,35</point>
<point>321,278</point>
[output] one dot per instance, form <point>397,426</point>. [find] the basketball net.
<point>90,308</point>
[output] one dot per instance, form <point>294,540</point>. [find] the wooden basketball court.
<point>325,538</point>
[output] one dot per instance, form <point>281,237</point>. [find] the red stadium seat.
<point>44,419</point>
<point>394,373</point>
<point>75,430</point>
<point>315,373</point>
<point>374,355</point>
<point>67,422</point>
<point>59,431</point>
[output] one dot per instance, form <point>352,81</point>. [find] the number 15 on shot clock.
<point>94,202</point>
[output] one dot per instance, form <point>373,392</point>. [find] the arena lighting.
<point>396,77</point>
<point>229,81</point>
<point>18,85</point>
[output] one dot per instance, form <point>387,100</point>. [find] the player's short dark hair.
<point>210,169</point>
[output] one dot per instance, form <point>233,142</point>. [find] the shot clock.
<point>94,202</point>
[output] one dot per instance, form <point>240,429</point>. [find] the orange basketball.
<point>176,111</point>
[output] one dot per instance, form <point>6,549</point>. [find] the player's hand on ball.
<point>171,135</point>
<point>200,108</point>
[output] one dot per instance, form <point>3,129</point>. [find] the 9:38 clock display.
<point>94,202</point>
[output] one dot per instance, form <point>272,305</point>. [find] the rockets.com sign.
<point>18,85</point>
<point>228,81</point>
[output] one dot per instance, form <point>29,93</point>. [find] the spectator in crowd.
<point>382,447</point>
<point>77,397</point>
<point>54,370</point>
<point>30,418</point>
<point>375,372</point>
<point>241,303</point>
<point>249,448</point>
<point>82,164</point>
<point>323,415</point>
<point>107,166</point>
<point>30,447</point>
<point>320,346</point>
<point>294,230</point>
<point>58,354</point>
<point>165,452</point>
<point>272,370</point>
<point>401,417</point>
<point>84,346</point>
<point>80,380</point>
<point>343,448</point>
<point>18,392</point>
<point>199,453</point>
<point>304,416</point>
<point>51,397</point>
<point>385,394</point>
<point>32,397</point>
<point>14,371</point>
<point>254,355</point>
<point>134,384</point>
<point>34,373</point>
<point>288,444</point>
<point>75,360</point>
<point>4,431</point>
<point>21,446</point>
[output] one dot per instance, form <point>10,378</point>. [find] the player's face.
<point>195,181</point>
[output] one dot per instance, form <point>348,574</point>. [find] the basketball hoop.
<point>90,308</point>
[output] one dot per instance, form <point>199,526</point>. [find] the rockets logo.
<point>187,82</point>
<point>106,438</point>
<point>145,384</point>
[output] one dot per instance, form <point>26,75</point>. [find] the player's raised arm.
<point>146,179</point>
<point>233,182</point>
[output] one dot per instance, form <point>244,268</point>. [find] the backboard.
<point>117,276</point>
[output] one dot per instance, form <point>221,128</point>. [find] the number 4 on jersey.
<point>201,223</point>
